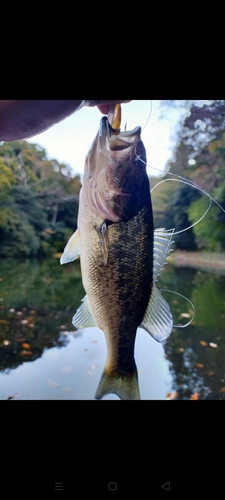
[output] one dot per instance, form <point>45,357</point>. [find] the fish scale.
<point>119,292</point>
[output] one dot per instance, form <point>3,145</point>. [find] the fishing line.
<point>142,128</point>
<point>183,180</point>
<point>192,305</point>
<point>148,118</point>
<point>188,182</point>
<point>200,189</point>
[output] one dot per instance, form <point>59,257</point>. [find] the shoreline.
<point>214,262</point>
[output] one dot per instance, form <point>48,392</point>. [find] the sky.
<point>70,140</point>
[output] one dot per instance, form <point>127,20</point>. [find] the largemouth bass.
<point>121,255</point>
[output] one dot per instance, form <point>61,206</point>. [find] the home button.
<point>112,486</point>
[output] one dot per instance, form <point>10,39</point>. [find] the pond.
<point>42,356</point>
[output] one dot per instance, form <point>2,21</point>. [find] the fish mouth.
<point>117,141</point>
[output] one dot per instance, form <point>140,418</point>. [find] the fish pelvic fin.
<point>72,249</point>
<point>123,385</point>
<point>158,320</point>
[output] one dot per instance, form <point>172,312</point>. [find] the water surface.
<point>43,357</point>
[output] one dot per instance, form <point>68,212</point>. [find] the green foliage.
<point>200,158</point>
<point>38,201</point>
<point>170,201</point>
<point>210,234</point>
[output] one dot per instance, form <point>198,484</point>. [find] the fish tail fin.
<point>124,385</point>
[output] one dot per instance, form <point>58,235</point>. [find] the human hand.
<point>21,119</point>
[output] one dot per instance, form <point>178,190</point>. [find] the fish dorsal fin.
<point>161,249</point>
<point>72,249</point>
<point>158,320</point>
<point>84,318</point>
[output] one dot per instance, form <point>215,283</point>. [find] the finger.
<point>104,105</point>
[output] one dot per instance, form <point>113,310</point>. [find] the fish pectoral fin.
<point>161,249</point>
<point>158,320</point>
<point>72,249</point>
<point>103,240</point>
<point>124,386</point>
<point>84,318</point>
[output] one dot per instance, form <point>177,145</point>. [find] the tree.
<point>199,157</point>
<point>38,201</point>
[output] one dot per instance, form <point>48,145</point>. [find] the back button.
<point>166,486</point>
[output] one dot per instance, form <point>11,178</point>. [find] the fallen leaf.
<point>195,396</point>
<point>26,346</point>
<point>185,315</point>
<point>180,349</point>
<point>4,322</point>
<point>222,389</point>
<point>199,365</point>
<point>29,319</point>
<point>52,383</point>
<point>202,342</point>
<point>171,395</point>
<point>25,353</point>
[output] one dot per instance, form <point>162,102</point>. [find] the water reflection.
<point>197,353</point>
<point>42,357</point>
<point>36,304</point>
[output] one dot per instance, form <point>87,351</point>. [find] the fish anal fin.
<point>124,386</point>
<point>84,318</point>
<point>158,320</point>
<point>72,249</point>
